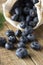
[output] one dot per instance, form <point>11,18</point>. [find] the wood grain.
<point>8,57</point>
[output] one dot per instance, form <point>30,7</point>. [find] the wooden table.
<point>8,57</point>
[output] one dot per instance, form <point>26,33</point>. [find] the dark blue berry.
<point>10,33</point>
<point>32,23</point>
<point>28,29</point>
<point>23,24</point>
<point>31,4</point>
<point>21,52</point>
<point>23,39</point>
<point>32,13</point>
<point>2,41</point>
<point>18,11</point>
<point>9,46</point>
<point>18,33</point>
<point>24,33</point>
<point>27,4</point>
<point>31,37</point>
<point>35,19</point>
<point>26,10</point>
<point>34,8</point>
<point>28,19</point>
<point>12,39</point>
<point>35,45</point>
<point>35,1</point>
<point>21,44</point>
<point>21,18</point>
<point>14,17</point>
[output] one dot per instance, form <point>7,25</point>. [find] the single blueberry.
<point>10,33</point>
<point>23,24</point>
<point>21,18</point>
<point>31,4</point>
<point>14,17</point>
<point>27,4</point>
<point>32,23</point>
<point>26,10</point>
<point>18,33</point>
<point>21,52</point>
<point>32,13</point>
<point>35,1</point>
<point>31,37</point>
<point>28,19</point>
<point>18,11</point>
<point>21,44</point>
<point>12,39</point>
<point>23,39</point>
<point>35,45</point>
<point>34,8</point>
<point>9,46</point>
<point>24,33</point>
<point>2,41</point>
<point>35,19</point>
<point>28,29</point>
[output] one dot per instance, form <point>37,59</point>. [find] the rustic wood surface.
<point>8,57</point>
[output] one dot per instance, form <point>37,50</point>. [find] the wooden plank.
<point>11,27</point>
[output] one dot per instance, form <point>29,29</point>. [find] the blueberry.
<point>2,41</point>
<point>21,52</point>
<point>21,18</point>
<point>28,29</point>
<point>14,17</point>
<point>18,33</point>
<point>35,1</point>
<point>10,33</point>
<point>35,19</point>
<point>35,45</point>
<point>26,10</point>
<point>18,11</point>
<point>24,33</point>
<point>23,39</point>
<point>32,13</point>
<point>34,8</point>
<point>32,23</point>
<point>9,46</point>
<point>27,4</point>
<point>12,39</point>
<point>31,4</point>
<point>28,19</point>
<point>23,24</point>
<point>31,37</point>
<point>21,44</point>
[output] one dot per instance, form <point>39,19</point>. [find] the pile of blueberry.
<point>25,12</point>
<point>20,39</point>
